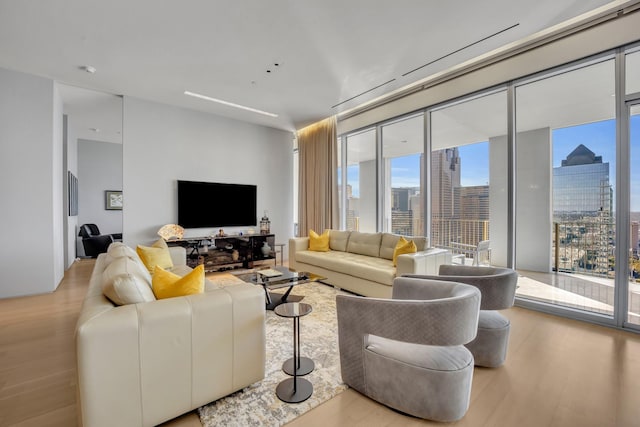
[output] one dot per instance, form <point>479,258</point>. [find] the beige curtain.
<point>317,177</point>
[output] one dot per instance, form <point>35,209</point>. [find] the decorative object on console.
<point>265,224</point>
<point>113,200</point>
<point>266,249</point>
<point>171,232</point>
<point>221,233</point>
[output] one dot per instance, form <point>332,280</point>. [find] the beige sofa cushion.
<point>124,282</point>
<point>365,267</point>
<point>389,242</point>
<point>120,250</point>
<point>364,243</point>
<point>338,240</point>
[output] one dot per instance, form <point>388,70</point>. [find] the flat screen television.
<point>214,204</point>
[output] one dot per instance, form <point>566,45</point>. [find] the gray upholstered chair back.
<point>497,284</point>
<point>429,312</point>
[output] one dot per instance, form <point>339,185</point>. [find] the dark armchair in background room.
<point>95,243</point>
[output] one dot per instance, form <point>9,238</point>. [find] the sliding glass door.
<point>633,312</point>
<point>632,92</point>
<point>469,178</point>
<point>565,186</point>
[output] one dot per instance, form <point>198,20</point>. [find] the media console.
<point>219,253</point>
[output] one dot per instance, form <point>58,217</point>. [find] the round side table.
<point>295,390</point>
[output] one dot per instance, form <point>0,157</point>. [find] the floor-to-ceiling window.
<point>633,312</point>
<point>567,216</point>
<point>360,189</point>
<point>402,169</point>
<point>469,178</point>
<point>632,89</point>
<point>565,186</point>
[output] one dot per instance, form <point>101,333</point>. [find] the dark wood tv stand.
<point>219,253</point>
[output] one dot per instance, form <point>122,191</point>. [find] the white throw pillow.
<point>127,289</point>
<point>126,281</point>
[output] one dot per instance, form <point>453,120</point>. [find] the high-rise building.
<point>400,198</point>
<point>402,210</point>
<point>583,207</point>
<point>445,176</point>
<point>581,186</point>
<point>471,211</point>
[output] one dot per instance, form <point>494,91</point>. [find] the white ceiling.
<point>328,51</point>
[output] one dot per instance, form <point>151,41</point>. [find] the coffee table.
<point>287,280</point>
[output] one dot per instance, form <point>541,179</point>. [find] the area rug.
<point>258,405</point>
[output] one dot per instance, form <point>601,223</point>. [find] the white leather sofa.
<point>362,262</point>
<point>143,364</point>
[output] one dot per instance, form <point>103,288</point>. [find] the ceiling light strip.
<point>461,49</point>
<point>360,94</point>
<point>229,104</point>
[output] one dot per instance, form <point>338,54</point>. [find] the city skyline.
<point>599,137</point>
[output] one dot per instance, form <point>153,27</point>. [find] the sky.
<point>599,137</point>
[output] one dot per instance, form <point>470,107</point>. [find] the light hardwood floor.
<point>558,372</point>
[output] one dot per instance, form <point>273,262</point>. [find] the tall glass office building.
<point>581,186</point>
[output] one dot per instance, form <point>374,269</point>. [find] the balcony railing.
<point>585,246</point>
<point>460,236</point>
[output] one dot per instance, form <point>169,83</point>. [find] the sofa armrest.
<point>178,255</point>
<point>424,262</point>
<point>296,244</point>
<point>146,363</point>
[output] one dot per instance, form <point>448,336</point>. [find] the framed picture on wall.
<point>113,200</point>
<point>72,183</point>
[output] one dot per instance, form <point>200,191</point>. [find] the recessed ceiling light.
<point>230,104</point>
<point>89,69</point>
<point>96,130</point>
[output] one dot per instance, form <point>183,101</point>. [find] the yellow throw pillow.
<point>168,285</point>
<point>403,246</point>
<point>319,243</point>
<point>156,254</point>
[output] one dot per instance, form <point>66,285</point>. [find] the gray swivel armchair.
<point>407,352</point>
<point>498,288</point>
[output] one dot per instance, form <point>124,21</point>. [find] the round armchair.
<point>407,352</point>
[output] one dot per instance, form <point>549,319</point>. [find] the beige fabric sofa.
<point>362,262</point>
<point>142,364</point>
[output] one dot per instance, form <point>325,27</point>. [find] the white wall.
<point>99,169</point>
<point>533,200</point>
<point>70,153</point>
<point>57,187</point>
<point>162,144</point>
<point>30,113</point>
